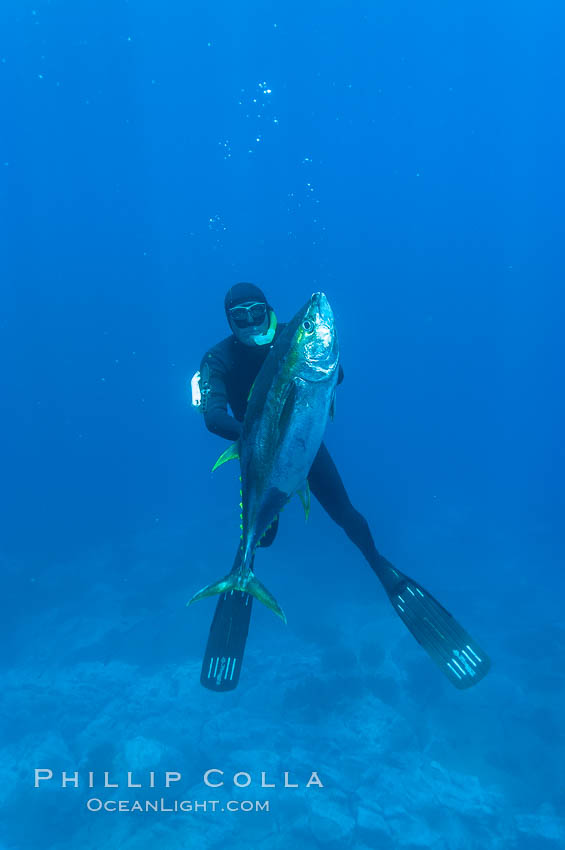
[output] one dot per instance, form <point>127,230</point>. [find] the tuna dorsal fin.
<point>231,453</point>
<point>304,495</point>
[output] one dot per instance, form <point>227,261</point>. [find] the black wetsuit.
<point>227,373</point>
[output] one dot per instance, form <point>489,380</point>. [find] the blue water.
<point>406,159</point>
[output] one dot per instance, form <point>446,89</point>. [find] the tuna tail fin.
<point>260,592</point>
<point>248,583</point>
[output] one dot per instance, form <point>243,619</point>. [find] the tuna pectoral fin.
<point>231,453</point>
<point>332,407</point>
<point>304,495</point>
<point>247,584</point>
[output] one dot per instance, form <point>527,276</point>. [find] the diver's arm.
<point>215,400</point>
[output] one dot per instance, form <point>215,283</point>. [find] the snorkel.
<point>268,336</point>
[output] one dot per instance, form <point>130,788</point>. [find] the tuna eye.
<point>307,325</point>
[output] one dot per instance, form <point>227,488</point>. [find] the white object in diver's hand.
<point>195,390</point>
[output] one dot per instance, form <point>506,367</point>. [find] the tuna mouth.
<point>320,314</point>
<point>320,309</point>
<point>322,351</point>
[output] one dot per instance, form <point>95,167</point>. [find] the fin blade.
<point>447,643</point>
<point>223,657</point>
<point>231,453</point>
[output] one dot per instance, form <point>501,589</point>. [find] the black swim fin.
<point>447,643</point>
<point>223,657</point>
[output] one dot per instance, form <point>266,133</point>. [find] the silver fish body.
<point>283,428</point>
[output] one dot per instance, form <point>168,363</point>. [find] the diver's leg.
<point>447,643</point>
<point>326,485</point>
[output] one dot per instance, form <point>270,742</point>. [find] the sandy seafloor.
<point>108,680</point>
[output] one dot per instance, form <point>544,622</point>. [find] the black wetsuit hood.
<point>242,292</point>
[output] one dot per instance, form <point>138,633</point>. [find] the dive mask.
<point>245,315</point>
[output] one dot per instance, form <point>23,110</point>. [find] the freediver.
<point>226,376</point>
<point>227,373</point>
